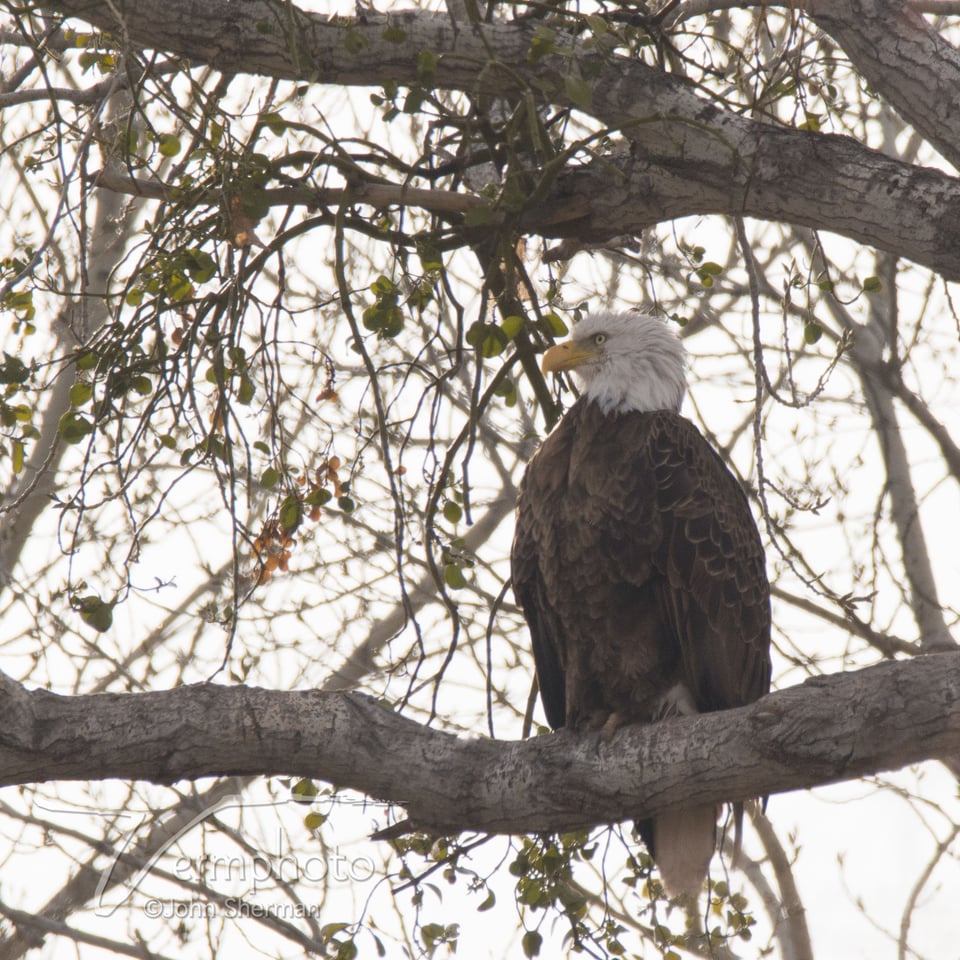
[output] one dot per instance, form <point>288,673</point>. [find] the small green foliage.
<point>73,427</point>
<point>488,903</point>
<point>507,389</point>
<point>426,67</point>
<point>17,453</point>
<point>353,40</point>
<point>168,145</point>
<point>578,91</point>
<point>314,820</point>
<point>542,44</point>
<point>20,302</point>
<point>511,326</point>
<point>555,325</point>
<point>478,216</point>
<point>304,791</point>
<point>453,576</point>
<point>531,943</point>
<point>452,511</point>
<point>872,285</point>
<point>290,513</point>
<point>95,612</point>
<point>87,360</point>
<point>13,370</point>
<point>708,271</point>
<point>490,339</point>
<point>269,478</point>
<point>812,332</point>
<point>435,934</point>
<point>384,316</point>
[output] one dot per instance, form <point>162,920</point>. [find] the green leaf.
<point>199,264</point>
<point>304,790</point>
<point>453,576</point>
<point>478,217</point>
<point>329,930</point>
<point>812,332</point>
<point>317,498</point>
<point>347,950</point>
<point>314,821</point>
<point>578,91</point>
<point>80,393</point>
<point>426,66</point>
<point>246,391</point>
<point>290,514</point>
<point>531,943</point>
<point>169,145</point>
<point>542,44</point>
<point>488,903</point>
<point>872,285</point>
<point>142,385</point>
<point>346,504</point>
<point>269,478</point>
<point>452,512</point>
<point>353,41</point>
<point>73,427</point>
<point>596,23</point>
<point>95,612</point>
<point>555,325</point>
<point>13,370</point>
<point>17,455</point>
<point>511,326</point>
<point>494,343</point>
<point>87,360</point>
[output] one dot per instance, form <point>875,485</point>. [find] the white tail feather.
<point>684,841</point>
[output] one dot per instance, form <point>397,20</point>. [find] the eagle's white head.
<point>627,361</point>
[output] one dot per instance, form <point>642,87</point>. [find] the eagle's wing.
<point>542,487</point>
<point>714,589</point>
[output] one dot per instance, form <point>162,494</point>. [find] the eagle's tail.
<point>682,843</point>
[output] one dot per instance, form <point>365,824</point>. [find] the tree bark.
<point>687,155</point>
<point>825,730</point>
<point>904,59</point>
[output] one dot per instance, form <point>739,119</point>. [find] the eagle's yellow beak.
<point>566,356</point>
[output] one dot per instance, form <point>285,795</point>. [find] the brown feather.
<point>638,566</point>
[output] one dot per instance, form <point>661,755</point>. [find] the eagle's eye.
<point>599,339</point>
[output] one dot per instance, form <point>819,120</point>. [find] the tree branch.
<point>903,58</point>
<point>828,729</point>
<point>688,154</point>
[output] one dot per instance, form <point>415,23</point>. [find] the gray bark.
<point>687,155</point>
<point>825,730</point>
<point>904,59</point>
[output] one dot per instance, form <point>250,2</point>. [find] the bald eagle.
<point>637,563</point>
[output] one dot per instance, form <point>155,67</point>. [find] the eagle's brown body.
<point>639,568</point>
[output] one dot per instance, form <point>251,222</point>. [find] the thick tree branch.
<point>688,155</point>
<point>903,58</point>
<point>828,729</point>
